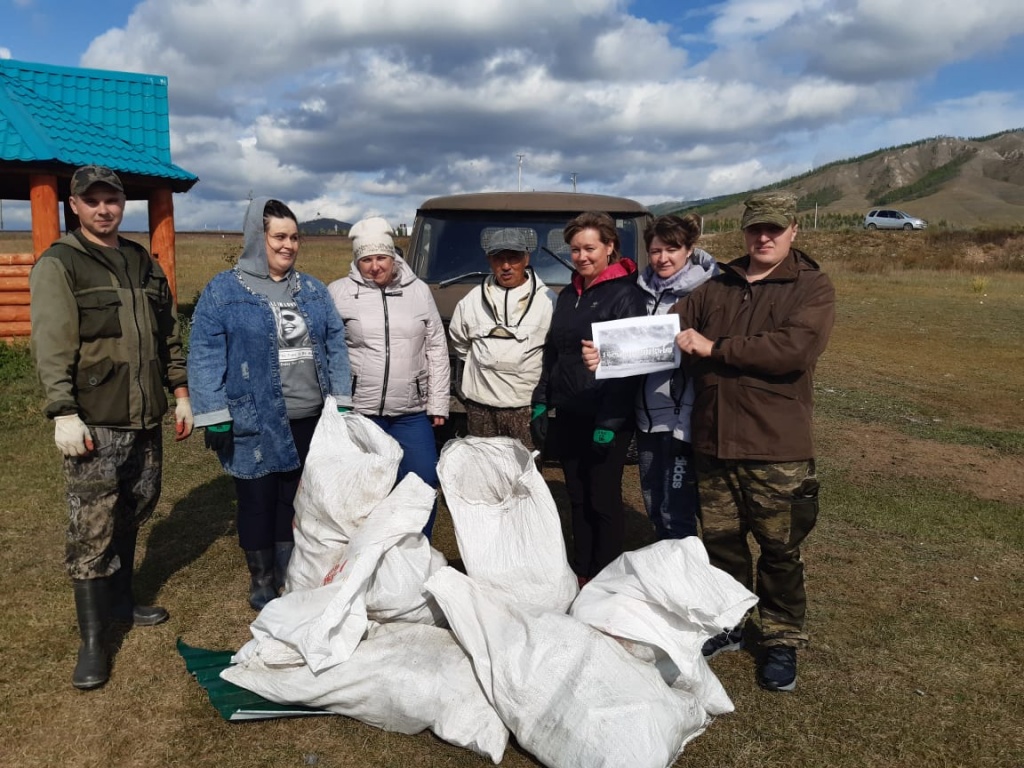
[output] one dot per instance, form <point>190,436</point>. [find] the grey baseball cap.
<point>88,175</point>
<point>507,240</point>
<point>776,207</point>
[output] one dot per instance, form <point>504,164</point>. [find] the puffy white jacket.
<point>396,344</point>
<point>499,333</point>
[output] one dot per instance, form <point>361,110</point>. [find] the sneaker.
<point>724,641</point>
<point>777,671</point>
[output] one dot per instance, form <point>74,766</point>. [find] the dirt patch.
<point>981,472</point>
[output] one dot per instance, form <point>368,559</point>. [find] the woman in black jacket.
<point>595,418</point>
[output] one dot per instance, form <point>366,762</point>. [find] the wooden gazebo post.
<point>161,234</point>
<point>45,211</point>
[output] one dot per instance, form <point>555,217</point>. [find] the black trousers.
<point>265,504</point>
<point>594,485</point>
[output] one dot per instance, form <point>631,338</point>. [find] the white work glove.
<point>71,435</point>
<point>183,421</point>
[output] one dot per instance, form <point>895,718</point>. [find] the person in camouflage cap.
<point>106,347</point>
<point>776,207</point>
<point>752,336</point>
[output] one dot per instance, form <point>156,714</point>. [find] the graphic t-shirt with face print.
<point>295,357</point>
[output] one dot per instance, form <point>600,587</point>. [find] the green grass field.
<point>915,572</point>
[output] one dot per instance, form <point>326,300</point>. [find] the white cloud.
<point>868,40</point>
<point>741,20</point>
<point>368,107</point>
<point>5,53</point>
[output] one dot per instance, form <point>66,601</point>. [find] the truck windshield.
<point>447,245</point>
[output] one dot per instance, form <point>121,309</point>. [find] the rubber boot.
<point>123,607</point>
<point>93,667</point>
<point>261,585</point>
<point>282,556</point>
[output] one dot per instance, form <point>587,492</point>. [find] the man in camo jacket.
<point>752,336</point>
<point>106,347</point>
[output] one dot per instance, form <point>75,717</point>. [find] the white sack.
<point>351,467</point>
<point>395,591</point>
<point>570,695</point>
<point>324,625</point>
<point>506,522</point>
<point>402,677</point>
<point>668,596</point>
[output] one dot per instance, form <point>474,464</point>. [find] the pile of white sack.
<point>375,625</point>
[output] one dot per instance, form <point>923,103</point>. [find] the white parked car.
<point>890,218</point>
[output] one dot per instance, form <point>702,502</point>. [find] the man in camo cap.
<point>752,336</point>
<point>106,347</point>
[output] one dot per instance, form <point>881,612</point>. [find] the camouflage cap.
<point>776,207</point>
<point>88,175</point>
<point>507,240</point>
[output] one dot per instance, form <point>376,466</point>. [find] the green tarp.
<point>232,702</point>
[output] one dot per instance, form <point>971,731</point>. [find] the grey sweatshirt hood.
<point>252,264</point>
<point>253,260</point>
<point>700,267</point>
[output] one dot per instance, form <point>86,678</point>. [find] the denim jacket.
<point>234,375</point>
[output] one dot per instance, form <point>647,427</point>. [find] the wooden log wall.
<point>14,267</point>
<point>14,297</point>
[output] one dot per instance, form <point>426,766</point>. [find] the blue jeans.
<point>668,481</point>
<point>415,434</point>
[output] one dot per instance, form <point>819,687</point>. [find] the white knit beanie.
<point>371,237</point>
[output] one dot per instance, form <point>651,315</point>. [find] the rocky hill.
<point>951,181</point>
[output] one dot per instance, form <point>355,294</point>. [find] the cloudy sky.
<point>367,107</point>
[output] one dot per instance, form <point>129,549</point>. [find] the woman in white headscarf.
<point>397,348</point>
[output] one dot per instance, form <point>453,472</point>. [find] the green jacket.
<point>104,333</point>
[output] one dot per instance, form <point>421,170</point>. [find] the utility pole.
<point>520,156</point>
<point>573,175</point>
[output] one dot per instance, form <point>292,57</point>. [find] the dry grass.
<point>915,573</point>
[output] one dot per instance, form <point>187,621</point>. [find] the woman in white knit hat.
<point>397,348</point>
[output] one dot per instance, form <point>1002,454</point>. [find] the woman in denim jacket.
<point>266,348</point>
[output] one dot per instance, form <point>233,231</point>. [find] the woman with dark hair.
<point>594,418</point>
<point>668,480</point>
<point>266,349</point>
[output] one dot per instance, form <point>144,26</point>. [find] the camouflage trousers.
<point>776,503</point>
<point>488,421</point>
<point>110,492</point>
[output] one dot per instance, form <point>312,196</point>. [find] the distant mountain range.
<point>324,227</point>
<point>961,182</point>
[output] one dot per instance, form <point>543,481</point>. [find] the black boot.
<point>282,556</point>
<point>261,569</point>
<point>123,607</point>
<point>93,667</point>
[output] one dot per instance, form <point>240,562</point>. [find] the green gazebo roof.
<point>54,119</point>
